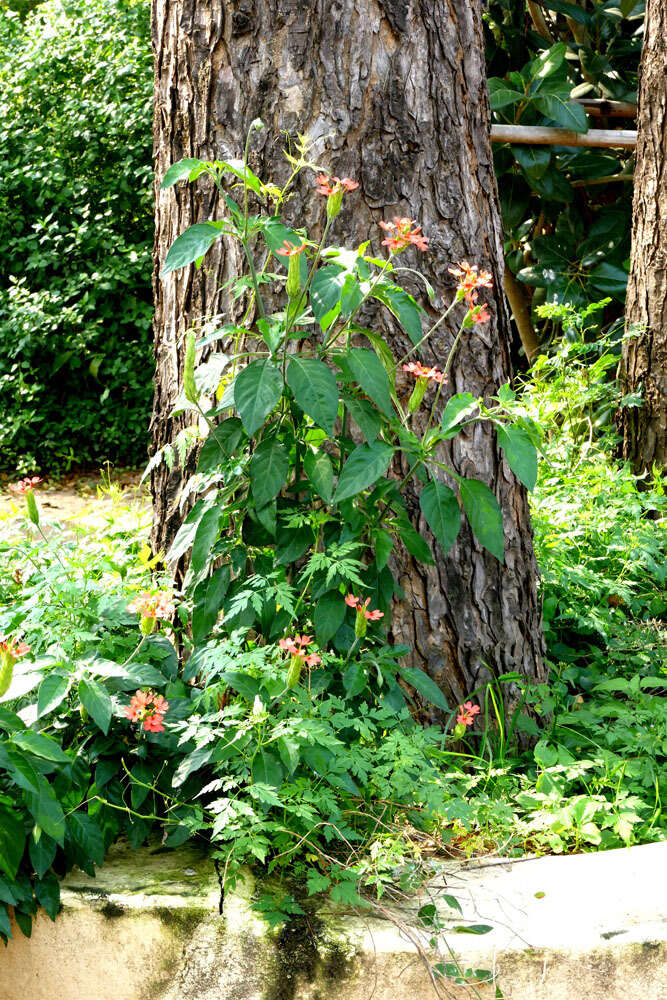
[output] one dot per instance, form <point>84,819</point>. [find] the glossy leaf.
<point>257,391</point>
<point>363,468</point>
<point>190,246</point>
<point>425,686</point>
<point>369,373</point>
<point>441,509</point>
<point>315,390</point>
<point>268,470</point>
<point>520,452</point>
<point>319,470</point>
<point>96,700</point>
<point>485,516</point>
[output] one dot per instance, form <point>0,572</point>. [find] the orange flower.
<point>332,185</point>
<point>11,649</point>
<point>421,371</point>
<point>470,278</point>
<point>148,708</point>
<point>467,713</point>
<point>23,485</point>
<point>480,314</point>
<point>362,608</point>
<point>291,249</point>
<point>150,607</point>
<point>404,233</point>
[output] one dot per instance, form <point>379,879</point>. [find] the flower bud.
<point>459,730</point>
<point>6,671</point>
<point>360,624</point>
<point>334,202</point>
<point>417,396</point>
<point>189,385</point>
<point>294,671</point>
<point>293,286</point>
<point>147,625</point>
<point>31,505</point>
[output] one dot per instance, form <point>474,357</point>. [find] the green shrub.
<point>75,233</point>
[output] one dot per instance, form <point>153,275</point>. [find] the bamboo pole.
<point>539,135</point>
<point>599,107</point>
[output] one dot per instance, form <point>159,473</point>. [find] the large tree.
<point>394,93</point>
<point>644,364</point>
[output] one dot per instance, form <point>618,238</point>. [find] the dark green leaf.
<point>267,769</point>
<point>190,246</point>
<point>369,373</point>
<point>365,415</point>
<point>179,171</point>
<point>47,811</point>
<point>363,468</point>
<point>42,853</point>
<point>325,292</point>
<point>204,540</point>
<point>315,390</point>
<point>257,391</point>
<point>425,686</point>
<point>403,306</point>
<point>52,690</point>
<point>47,891</point>
<point>268,470</point>
<point>441,509</point>
<point>458,409</point>
<point>328,616</point>
<point>520,452</point>
<point>354,680</point>
<point>97,702</point>
<point>12,841</point>
<point>567,114</point>
<point>320,473</point>
<point>485,516</point>
<point>41,745</point>
<point>208,598</point>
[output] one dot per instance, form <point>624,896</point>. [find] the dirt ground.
<point>72,493</point>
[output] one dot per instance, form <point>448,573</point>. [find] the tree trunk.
<point>644,364</point>
<point>395,94</point>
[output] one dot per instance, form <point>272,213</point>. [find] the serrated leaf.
<point>257,391</point>
<point>441,509</point>
<point>315,390</point>
<point>485,516</point>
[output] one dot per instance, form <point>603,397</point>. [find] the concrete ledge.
<point>588,927</point>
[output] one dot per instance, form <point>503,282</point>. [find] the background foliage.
<point>75,233</point>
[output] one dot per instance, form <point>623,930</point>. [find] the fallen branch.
<point>539,135</point>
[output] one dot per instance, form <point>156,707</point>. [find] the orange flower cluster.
<point>355,602</point>
<point>153,605</point>
<point>297,647</point>
<point>467,713</point>
<point>421,371</point>
<point>470,279</point>
<point>329,186</point>
<point>23,485</point>
<point>10,649</point>
<point>403,232</point>
<point>149,709</point>
<point>290,249</point>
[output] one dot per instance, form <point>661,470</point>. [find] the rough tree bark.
<point>395,94</point>
<point>644,364</point>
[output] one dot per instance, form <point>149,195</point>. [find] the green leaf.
<point>520,452</point>
<point>382,544</point>
<point>41,745</point>
<point>473,929</point>
<point>179,171</point>
<point>315,390</point>
<point>47,891</point>
<point>88,836</point>
<point>441,509</point>
<point>567,114</point>
<point>243,172</point>
<point>325,292</point>
<point>610,279</point>
<point>404,308</point>
<point>208,598</point>
<point>21,769</point>
<point>97,702</point>
<point>190,246</point>
<point>245,684</point>
<point>426,686</point>
<point>485,516</point>
<point>369,373</point>
<point>328,616</point>
<point>503,97</point>
<point>204,540</point>
<point>12,841</point>
<point>52,690</point>
<point>47,811</point>
<point>414,543</point>
<point>276,233</point>
<point>320,473</point>
<point>459,408</point>
<point>42,853</point>
<point>363,468</point>
<point>365,415</point>
<point>268,470</point>
<point>354,680</point>
<point>257,391</point>
<point>571,10</point>
<point>267,769</point>
<point>533,159</point>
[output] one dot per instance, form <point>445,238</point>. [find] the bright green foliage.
<point>568,233</point>
<point>75,233</point>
